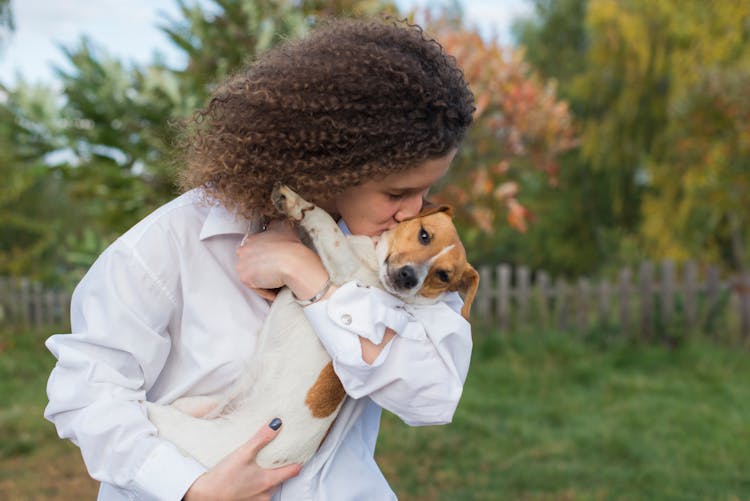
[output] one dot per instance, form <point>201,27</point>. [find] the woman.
<point>359,117</point>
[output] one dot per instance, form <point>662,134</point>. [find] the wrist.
<point>322,293</point>
<point>194,492</point>
<point>305,274</point>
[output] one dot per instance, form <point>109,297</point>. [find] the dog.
<point>419,261</point>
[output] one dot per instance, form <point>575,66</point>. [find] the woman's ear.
<point>467,288</point>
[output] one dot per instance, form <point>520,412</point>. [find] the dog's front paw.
<point>289,203</point>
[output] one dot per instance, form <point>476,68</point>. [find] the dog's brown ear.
<point>430,208</point>
<point>467,288</point>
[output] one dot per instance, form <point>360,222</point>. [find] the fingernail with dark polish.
<point>275,424</point>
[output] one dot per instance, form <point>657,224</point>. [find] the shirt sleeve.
<point>119,342</point>
<point>420,373</point>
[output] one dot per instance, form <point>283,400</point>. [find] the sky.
<point>128,30</point>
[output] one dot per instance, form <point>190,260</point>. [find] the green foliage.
<point>85,165</point>
<point>33,201</point>
<point>100,156</point>
<point>118,132</point>
<point>701,206</point>
<point>657,175</point>
<point>581,223</point>
<point>7,24</point>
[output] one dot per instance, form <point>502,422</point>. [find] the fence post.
<point>484,294</point>
<point>4,300</point>
<point>503,296</point>
<point>603,302</point>
<point>49,306</point>
<point>38,304</point>
<point>63,301</point>
<point>712,296</point>
<point>667,291</point>
<point>561,304</point>
<point>522,295</point>
<point>689,293</point>
<point>645,297</point>
<point>582,313</point>
<point>623,287</point>
<point>542,284</point>
<point>25,295</point>
<point>14,300</point>
<point>743,290</point>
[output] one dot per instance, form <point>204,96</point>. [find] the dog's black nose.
<point>406,278</point>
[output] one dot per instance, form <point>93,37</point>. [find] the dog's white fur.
<point>287,359</point>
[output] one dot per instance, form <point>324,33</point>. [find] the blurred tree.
<point>520,129</point>
<point>34,207</point>
<point>699,207</point>
<point>631,70</point>
<point>7,24</point>
<point>119,136</point>
<point>107,141</point>
<point>581,225</point>
<point>677,113</point>
<point>221,39</point>
<point>91,162</point>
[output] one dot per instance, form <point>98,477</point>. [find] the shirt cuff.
<point>366,311</point>
<point>166,474</point>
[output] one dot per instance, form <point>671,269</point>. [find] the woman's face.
<point>378,205</point>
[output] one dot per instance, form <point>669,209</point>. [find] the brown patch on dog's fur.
<point>326,394</point>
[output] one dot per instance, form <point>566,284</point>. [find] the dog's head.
<point>423,258</point>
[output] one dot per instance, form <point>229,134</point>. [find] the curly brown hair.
<point>354,100</point>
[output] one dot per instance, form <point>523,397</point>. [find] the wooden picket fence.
<point>643,302</point>
<point>29,304</point>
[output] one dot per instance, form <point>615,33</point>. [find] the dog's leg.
<point>199,406</point>
<point>322,232</point>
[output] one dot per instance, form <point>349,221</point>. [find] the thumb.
<point>261,438</point>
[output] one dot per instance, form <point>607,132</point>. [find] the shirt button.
<point>346,319</point>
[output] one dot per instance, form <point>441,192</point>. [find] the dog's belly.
<point>291,377</point>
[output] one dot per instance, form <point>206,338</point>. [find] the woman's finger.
<point>275,476</point>
<point>262,437</point>
<point>267,294</point>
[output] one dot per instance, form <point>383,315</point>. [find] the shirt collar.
<point>222,222</point>
<point>344,228</point>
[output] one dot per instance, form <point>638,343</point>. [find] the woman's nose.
<point>409,207</point>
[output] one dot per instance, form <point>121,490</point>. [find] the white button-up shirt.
<point>162,315</point>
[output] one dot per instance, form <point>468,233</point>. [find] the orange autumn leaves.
<point>519,125</point>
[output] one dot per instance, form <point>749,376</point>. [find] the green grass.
<point>24,366</point>
<point>543,417</point>
<point>547,416</point>
<point>34,463</point>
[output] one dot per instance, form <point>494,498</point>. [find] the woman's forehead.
<point>419,177</point>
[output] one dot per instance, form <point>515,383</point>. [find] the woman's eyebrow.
<point>416,189</point>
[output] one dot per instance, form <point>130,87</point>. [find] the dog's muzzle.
<point>405,278</point>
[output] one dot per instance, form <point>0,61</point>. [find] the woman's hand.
<point>275,258</point>
<point>237,477</point>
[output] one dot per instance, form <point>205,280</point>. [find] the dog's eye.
<point>424,237</point>
<point>443,276</point>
